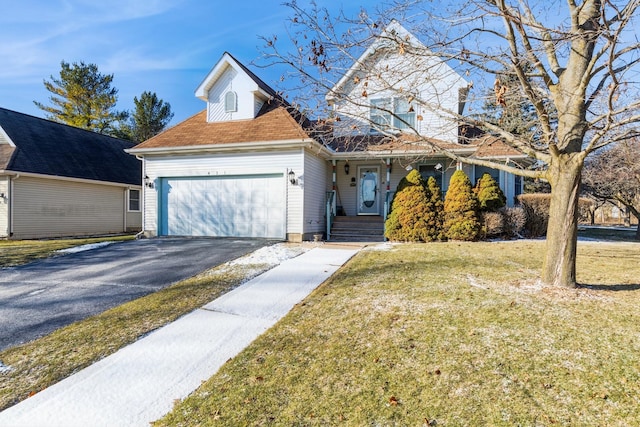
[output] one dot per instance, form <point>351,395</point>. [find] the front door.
<point>368,190</point>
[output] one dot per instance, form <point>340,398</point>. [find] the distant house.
<point>250,165</point>
<point>57,180</point>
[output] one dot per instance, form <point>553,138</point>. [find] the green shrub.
<point>490,196</point>
<point>416,215</point>
<point>461,220</point>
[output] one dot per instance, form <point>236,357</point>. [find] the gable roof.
<point>33,145</point>
<point>274,122</point>
<point>227,60</point>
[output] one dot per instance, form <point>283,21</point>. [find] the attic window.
<point>230,102</point>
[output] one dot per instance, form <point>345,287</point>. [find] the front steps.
<point>362,228</point>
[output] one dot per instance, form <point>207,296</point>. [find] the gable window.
<point>392,113</point>
<point>230,102</point>
<point>134,200</point>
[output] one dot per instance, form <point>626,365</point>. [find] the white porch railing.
<point>330,211</point>
<point>387,208</point>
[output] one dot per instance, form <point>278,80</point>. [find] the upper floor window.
<point>230,102</point>
<point>392,113</point>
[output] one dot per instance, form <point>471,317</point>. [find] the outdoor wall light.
<point>292,177</point>
<point>148,182</point>
<point>346,168</point>
<point>438,166</point>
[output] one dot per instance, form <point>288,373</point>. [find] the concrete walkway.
<point>139,383</point>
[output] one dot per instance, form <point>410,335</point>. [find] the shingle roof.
<point>50,148</point>
<point>274,122</point>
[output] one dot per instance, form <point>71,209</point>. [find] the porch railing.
<point>330,211</point>
<point>387,208</point>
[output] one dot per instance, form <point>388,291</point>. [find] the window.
<point>396,113</point>
<point>435,170</point>
<point>134,200</point>
<point>230,102</point>
<point>481,170</point>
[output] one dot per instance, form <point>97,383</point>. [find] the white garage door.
<point>238,206</point>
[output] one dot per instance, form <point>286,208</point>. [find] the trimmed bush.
<point>416,216</point>
<point>490,196</point>
<point>505,223</point>
<point>461,220</point>
<point>536,208</point>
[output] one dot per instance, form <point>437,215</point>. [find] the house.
<point>58,180</point>
<point>250,165</point>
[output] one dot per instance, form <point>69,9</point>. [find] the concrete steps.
<point>363,228</point>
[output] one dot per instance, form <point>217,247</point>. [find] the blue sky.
<point>162,46</point>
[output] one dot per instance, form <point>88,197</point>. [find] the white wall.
<point>226,164</point>
<point>435,89</point>
<point>315,179</point>
<point>231,80</point>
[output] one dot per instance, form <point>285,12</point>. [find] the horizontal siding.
<point>225,164</point>
<point>53,208</point>
<point>4,206</point>
<point>316,177</point>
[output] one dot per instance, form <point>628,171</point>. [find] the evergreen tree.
<point>150,117</point>
<point>490,196</point>
<point>414,213</point>
<point>461,221</point>
<point>83,97</point>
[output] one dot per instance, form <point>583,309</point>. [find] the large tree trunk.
<point>559,268</point>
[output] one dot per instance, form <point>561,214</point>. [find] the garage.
<point>227,206</point>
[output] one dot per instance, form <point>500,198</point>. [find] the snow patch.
<point>83,248</point>
<point>4,368</point>
<point>380,247</point>
<point>270,255</point>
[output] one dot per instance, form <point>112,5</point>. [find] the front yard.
<point>444,334</point>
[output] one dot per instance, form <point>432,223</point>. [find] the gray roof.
<point>51,148</point>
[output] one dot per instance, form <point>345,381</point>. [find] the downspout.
<point>142,197</point>
<point>10,225</point>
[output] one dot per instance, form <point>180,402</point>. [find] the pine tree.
<point>490,196</point>
<point>414,213</point>
<point>150,117</point>
<point>83,97</point>
<point>461,221</point>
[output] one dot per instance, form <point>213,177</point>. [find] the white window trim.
<point>390,116</point>
<point>129,200</point>
<point>230,98</point>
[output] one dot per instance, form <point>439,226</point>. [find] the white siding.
<point>226,164</point>
<point>242,85</point>
<point>4,205</point>
<point>54,208</point>
<point>315,178</point>
<point>435,89</point>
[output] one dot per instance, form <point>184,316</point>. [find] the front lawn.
<point>16,252</point>
<point>443,334</point>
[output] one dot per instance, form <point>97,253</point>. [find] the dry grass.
<point>443,334</point>
<point>43,362</point>
<point>16,252</point>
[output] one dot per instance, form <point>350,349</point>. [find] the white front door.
<point>368,190</point>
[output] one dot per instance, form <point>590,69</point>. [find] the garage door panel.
<point>243,206</point>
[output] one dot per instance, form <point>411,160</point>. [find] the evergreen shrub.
<point>490,196</point>
<point>461,219</point>
<point>416,215</point>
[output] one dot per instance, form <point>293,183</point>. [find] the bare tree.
<point>613,175</point>
<point>575,62</point>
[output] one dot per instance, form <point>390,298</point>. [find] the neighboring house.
<point>250,166</point>
<point>58,180</point>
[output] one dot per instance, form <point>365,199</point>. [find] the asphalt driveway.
<point>40,297</point>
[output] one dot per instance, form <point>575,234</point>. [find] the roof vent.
<point>230,102</point>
